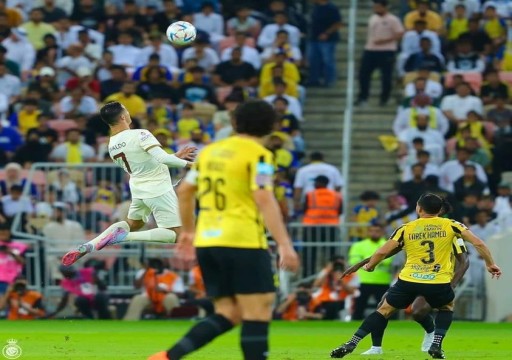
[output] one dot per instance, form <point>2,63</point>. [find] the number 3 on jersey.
<point>430,251</point>
<point>122,156</point>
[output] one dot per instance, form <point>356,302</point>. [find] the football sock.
<point>200,335</point>
<point>120,224</point>
<point>443,322</point>
<point>378,334</point>
<point>254,340</point>
<point>375,322</point>
<point>160,235</point>
<point>427,323</point>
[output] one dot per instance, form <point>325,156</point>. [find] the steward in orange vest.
<point>323,206</point>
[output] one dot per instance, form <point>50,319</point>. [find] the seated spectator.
<point>33,150</point>
<point>280,145</point>
<point>499,114</point>
<point>164,137</point>
<point>249,54</point>
<point>334,290</point>
<point>26,117</point>
<point>69,64</point>
<point>294,16</point>
<point>423,158</point>
<point>206,57</point>
<point>160,111</point>
<point>77,104</point>
<point>288,123</point>
<point>115,83</point>
<point>86,81</point>
<point>187,122</point>
<point>424,59</point>
<point>298,306</point>
<point>11,257</point>
<point>169,14</point>
<point>12,67</point>
<point>86,290</point>
<point>155,84</point>
<point>14,203</point>
<point>412,190</point>
<point>45,84</point>
<point>431,137</point>
<point>235,72</point>
<point>133,102</point>
<point>290,73</point>
<point>481,42</point>
<point>411,40</point>
<point>476,128</point>
<point>73,150</point>
<point>222,119</point>
<point>433,19</point>
<point>51,12</point>
<point>365,213</point>
<point>10,140</point>
<point>124,52</point>
<point>452,170</point>
<point>421,105</point>
<point>282,44</point>
<point>493,88</point>
<point>457,24</point>
<point>105,65</point>
<point>186,76</point>
<point>50,52</point>
<point>267,88</point>
<point>243,22</point>
<point>484,229</point>
<point>210,22</point>
<point>14,15</point>
<point>36,28</point>
<point>5,29</point>
<point>22,303</point>
<point>465,60</point>
<point>161,288</point>
<point>477,153</point>
<point>198,139</point>
<point>456,107</point>
<point>397,213</point>
<point>472,7</point>
<point>423,85</point>
<point>47,134</point>
<point>486,203</point>
<point>87,13</point>
<point>196,90</point>
<point>503,199</point>
<point>268,34</point>
<point>468,183</point>
<point>20,51</point>
<point>167,54</point>
<point>10,85</point>
<point>294,106</point>
<point>65,188</point>
<point>469,208</point>
<point>60,232</point>
<point>494,25</point>
<point>436,154</point>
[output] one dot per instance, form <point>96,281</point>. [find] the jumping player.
<point>233,180</point>
<point>139,153</point>
<point>428,246</point>
<point>421,310</point>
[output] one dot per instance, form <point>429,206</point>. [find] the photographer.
<point>11,258</point>
<point>333,291</point>
<point>23,304</point>
<point>161,289</point>
<point>297,306</point>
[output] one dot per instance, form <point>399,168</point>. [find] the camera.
<point>19,286</point>
<point>338,267</point>
<point>303,297</point>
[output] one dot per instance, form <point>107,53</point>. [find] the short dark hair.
<point>280,98</point>
<point>280,13</point>
<point>418,140</point>
<point>282,32</point>
<point>369,195</point>
<point>470,166</point>
<point>422,152</point>
<point>381,2</point>
<point>110,112</point>
<point>255,117</point>
<point>433,204</point>
<point>16,187</point>
<point>316,156</point>
<point>154,56</point>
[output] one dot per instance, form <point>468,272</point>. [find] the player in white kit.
<point>140,154</point>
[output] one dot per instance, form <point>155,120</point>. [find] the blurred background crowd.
<point>447,62</point>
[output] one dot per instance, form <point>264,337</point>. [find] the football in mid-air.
<point>181,33</point>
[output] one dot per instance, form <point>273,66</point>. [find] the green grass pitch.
<point>111,340</point>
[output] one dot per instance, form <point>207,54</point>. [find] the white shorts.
<point>164,209</point>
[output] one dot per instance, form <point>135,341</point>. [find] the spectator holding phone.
<point>23,304</point>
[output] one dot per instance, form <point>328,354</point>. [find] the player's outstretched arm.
<point>484,252</point>
<point>382,253</point>
<point>362,263</point>
<point>461,267</point>
<point>162,157</point>
<point>267,204</point>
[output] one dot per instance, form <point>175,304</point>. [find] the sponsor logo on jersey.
<point>421,276</point>
<point>144,135</point>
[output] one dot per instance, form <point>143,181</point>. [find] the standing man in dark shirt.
<point>235,71</point>
<point>88,14</point>
<point>325,23</point>
<point>493,88</point>
<point>51,12</point>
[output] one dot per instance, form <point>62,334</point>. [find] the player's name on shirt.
<point>428,235</point>
<point>117,146</point>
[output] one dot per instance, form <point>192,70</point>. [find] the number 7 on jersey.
<point>122,156</point>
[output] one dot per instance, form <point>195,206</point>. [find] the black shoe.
<point>343,350</point>
<point>436,352</point>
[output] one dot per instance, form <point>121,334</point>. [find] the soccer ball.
<point>181,33</point>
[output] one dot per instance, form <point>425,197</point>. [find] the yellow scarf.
<point>74,154</point>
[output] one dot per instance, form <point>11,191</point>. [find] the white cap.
<point>83,71</point>
<point>46,71</point>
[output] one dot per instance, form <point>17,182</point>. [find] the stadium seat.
<point>61,126</point>
<point>474,80</point>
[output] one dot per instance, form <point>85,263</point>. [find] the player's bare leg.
<point>421,313</point>
<point>120,232</point>
<point>227,315</point>
<point>375,322</point>
<point>443,321</point>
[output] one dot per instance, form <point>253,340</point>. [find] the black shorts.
<point>230,271</point>
<point>403,294</point>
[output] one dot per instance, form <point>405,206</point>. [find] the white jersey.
<point>148,178</point>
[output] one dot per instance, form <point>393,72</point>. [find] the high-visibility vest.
<point>323,207</point>
<point>432,115</point>
<point>330,291</point>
